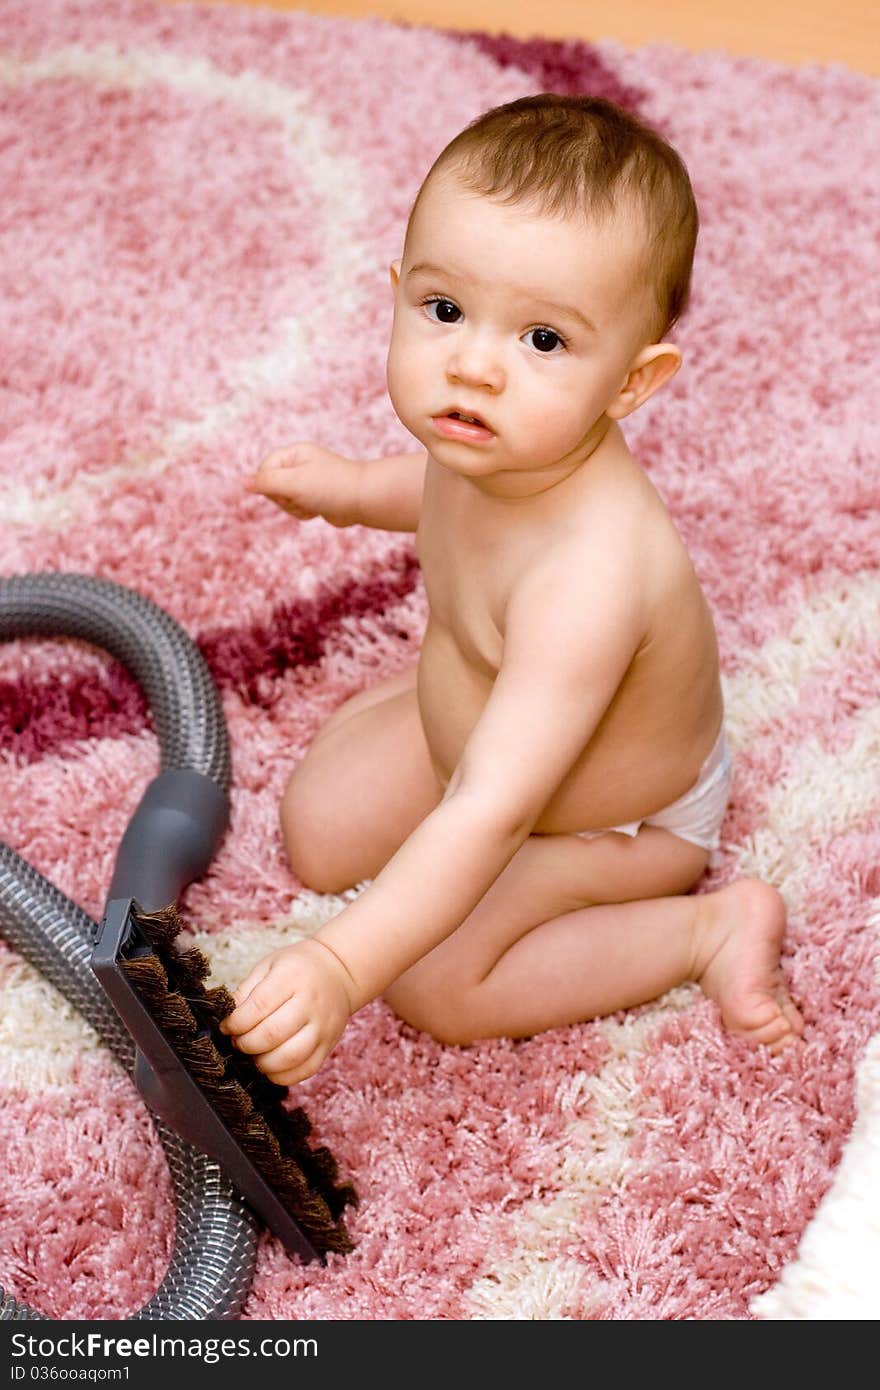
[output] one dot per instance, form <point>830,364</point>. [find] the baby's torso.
<point>661,724</point>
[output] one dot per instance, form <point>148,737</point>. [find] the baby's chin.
<point>501,479</point>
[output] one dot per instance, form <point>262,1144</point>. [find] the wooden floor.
<point>790,31</point>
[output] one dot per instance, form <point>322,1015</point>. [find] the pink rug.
<point>199,209</point>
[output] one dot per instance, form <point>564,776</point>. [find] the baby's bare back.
<point>665,715</point>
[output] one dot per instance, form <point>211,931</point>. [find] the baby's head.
<point>548,252</point>
<point>584,157</point>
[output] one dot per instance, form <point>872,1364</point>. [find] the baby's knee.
<point>307,845</point>
<point>444,1014</point>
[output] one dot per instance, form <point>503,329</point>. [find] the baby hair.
<point>570,155</point>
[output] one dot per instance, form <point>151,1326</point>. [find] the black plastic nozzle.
<point>232,1112</point>
<point>171,839</point>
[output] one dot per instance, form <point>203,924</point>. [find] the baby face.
<point>513,332</point>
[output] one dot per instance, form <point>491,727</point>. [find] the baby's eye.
<point>441,310</point>
<point>545,339</point>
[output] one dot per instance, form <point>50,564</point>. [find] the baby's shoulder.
<point>615,545</point>
<point>620,516</point>
<point>629,514</point>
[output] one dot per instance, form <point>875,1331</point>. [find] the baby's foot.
<point>739,939</point>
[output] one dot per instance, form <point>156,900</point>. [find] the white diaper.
<point>696,816</point>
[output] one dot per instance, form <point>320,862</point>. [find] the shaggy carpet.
<point>199,208</point>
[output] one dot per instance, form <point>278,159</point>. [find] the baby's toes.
<point>783,1028</point>
<point>760,1017</point>
<point>793,1018</point>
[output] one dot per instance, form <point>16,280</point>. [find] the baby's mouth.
<point>460,424</point>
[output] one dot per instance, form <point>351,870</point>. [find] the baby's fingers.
<point>279,459</point>
<point>291,507</point>
<point>284,490</point>
<point>272,482</point>
<point>249,1008</point>
<point>273,1030</point>
<point>278,467</point>
<point>296,1060</point>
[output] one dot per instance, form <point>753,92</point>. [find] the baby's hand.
<point>291,1010</point>
<point>307,481</point>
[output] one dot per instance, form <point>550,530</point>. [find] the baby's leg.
<point>363,786</point>
<point>532,956</point>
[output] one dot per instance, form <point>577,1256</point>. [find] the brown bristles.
<point>275,1139</point>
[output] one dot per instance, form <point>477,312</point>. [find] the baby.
<point>533,802</point>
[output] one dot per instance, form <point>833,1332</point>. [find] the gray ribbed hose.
<point>212,1263</point>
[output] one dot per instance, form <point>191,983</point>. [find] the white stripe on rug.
<point>834,1275</point>
<point>341,204</point>
<point>841,616</point>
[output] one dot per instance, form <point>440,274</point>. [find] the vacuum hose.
<point>212,1263</point>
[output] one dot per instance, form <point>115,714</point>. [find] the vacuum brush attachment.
<point>214,1096</point>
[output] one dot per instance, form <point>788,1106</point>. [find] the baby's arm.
<point>569,638</point>
<point>307,481</point>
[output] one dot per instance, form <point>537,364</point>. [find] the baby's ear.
<point>395,274</point>
<point>650,369</point>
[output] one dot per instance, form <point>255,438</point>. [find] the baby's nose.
<point>477,365</point>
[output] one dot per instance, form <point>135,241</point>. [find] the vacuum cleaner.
<point>237,1155</point>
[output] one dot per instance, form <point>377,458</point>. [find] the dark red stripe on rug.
<point>568,66</point>
<point>40,715</point>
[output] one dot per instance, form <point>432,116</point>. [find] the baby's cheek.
<point>405,379</point>
<point>544,429</point>
<point>571,415</point>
